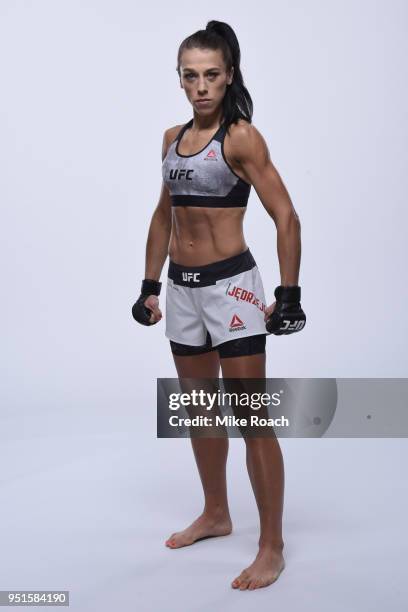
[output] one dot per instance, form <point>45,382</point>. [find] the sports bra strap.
<point>220,132</point>
<point>183,129</point>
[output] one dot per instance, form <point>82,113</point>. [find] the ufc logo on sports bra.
<point>191,276</point>
<point>181,173</point>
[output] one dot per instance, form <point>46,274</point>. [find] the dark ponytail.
<point>237,102</point>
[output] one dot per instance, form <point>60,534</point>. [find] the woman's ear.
<point>231,76</point>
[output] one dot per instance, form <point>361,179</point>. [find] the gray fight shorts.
<point>225,298</point>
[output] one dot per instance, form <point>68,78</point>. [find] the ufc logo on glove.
<point>292,326</point>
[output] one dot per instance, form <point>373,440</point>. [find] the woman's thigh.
<point>247,366</point>
<point>246,375</point>
<point>205,365</point>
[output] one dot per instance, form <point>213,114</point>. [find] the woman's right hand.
<point>146,310</point>
<point>152,303</point>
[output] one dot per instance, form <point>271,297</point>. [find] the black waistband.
<point>203,276</point>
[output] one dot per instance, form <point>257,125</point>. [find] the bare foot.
<point>203,527</point>
<point>266,568</point>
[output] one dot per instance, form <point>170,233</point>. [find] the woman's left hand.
<point>268,311</point>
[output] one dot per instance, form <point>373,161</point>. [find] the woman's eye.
<point>212,75</point>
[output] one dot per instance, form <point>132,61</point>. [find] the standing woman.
<point>216,314</point>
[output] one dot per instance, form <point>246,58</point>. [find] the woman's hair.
<point>237,103</point>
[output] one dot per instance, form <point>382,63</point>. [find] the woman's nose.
<point>202,88</point>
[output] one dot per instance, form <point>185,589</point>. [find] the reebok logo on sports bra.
<point>192,181</point>
<point>211,155</point>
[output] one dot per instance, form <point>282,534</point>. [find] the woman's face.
<point>203,77</point>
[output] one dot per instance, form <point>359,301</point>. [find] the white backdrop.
<point>87,90</point>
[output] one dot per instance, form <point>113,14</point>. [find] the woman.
<point>215,305</point>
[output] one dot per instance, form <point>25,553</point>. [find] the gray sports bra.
<point>205,178</point>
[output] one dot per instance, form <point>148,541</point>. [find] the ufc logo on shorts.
<point>294,326</point>
<point>191,276</point>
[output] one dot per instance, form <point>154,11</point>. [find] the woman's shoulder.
<point>242,129</point>
<point>169,136</point>
<point>244,136</point>
<point>171,132</point>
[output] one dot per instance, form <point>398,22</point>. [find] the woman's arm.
<point>160,228</point>
<point>159,236</point>
<point>252,155</point>
<point>146,310</point>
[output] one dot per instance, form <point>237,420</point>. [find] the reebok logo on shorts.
<point>236,324</point>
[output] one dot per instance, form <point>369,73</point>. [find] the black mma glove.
<point>139,311</point>
<point>288,316</point>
